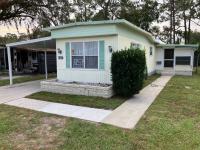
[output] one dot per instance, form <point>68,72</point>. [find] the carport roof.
<point>40,44</point>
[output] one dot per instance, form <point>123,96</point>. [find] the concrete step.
<point>167,73</point>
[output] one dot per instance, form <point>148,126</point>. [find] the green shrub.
<point>127,67</point>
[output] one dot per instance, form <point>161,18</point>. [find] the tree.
<point>188,11</point>
<point>168,10</point>
<point>55,13</point>
<point>19,9</point>
<point>139,13</point>
<point>180,14</point>
<point>84,10</point>
<point>195,39</point>
<point>8,38</point>
<point>107,9</point>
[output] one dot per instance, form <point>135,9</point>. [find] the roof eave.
<point>178,45</point>
<point>28,41</point>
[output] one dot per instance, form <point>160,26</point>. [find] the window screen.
<point>77,55</point>
<point>169,54</point>
<point>135,45</point>
<point>91,55</point>
<point>77,48</point>
<point>184,60</point>
<point>84,54</point>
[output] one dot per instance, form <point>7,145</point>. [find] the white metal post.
<point>9,65</point>
<point>45,61</point>
<point>5,58</point>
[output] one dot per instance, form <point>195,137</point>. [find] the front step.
<point>167,73</point>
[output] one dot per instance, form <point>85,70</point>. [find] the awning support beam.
<point>9,65</point>
<point>5,65</point>
<point>45,59</point>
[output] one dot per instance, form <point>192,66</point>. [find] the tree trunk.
<point>174,22</point>
<point>189,29</point>
<point>185,26</point>
<point>171,24</point>
<point>85,13</point>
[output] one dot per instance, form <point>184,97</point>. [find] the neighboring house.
<point>2,57</point>
<point>84,50</point>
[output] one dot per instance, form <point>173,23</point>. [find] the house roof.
<point>104,22</point>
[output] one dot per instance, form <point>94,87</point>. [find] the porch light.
<point>110,49</point>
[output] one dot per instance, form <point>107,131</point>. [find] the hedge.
<point>127,68</point>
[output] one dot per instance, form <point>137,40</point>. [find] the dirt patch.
<point>44,135</point>
<point>53,121</point>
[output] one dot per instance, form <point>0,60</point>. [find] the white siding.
<point>177,52</point>
<point>85,75</point>
<point>185,52</point>
<point>160,57</point>
<point>124,42</point>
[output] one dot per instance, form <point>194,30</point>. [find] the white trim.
<point>98,55</point>
<point>84,55</point>
<point>29,41</point>
<point>70,48</point>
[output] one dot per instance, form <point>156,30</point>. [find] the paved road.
<point>10,93</point>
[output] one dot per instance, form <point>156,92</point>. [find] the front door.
<point>169,58</point>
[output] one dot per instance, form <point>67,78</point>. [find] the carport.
<point>46,44</point>
<point>3,56</point>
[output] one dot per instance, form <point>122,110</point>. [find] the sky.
<point>4,29</point>
<point>22,29</point>
<point>11,29</point>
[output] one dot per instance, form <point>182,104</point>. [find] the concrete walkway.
<point>126,115</point>
<point>129,113</point>
<point>10,93</point>
<point>85,113</point>
<point>13,96</point>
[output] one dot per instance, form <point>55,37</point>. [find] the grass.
<point>26,79</point>
<point>171,122</point>
<point>88,101</point>
<point>150,79</point>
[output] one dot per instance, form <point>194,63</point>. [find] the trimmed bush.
<point>128,67</point>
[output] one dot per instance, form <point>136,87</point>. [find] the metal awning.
<point>41,44</point>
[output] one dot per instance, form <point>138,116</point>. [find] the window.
<point>91,55</point>
<point>77,55</point>
<point>184,60</point>
<point>34,55</point>
<point>158,62</point>
<point>151,51</point>
<point>84,54</point>
<point>135,45</point>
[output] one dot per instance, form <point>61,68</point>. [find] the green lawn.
<point>172,122</point>
<point>26,79</point>
<point>94,102</point>
<point>89,101</point>
<point>150,79</point>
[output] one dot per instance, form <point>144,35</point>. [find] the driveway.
<point>10,93</point>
